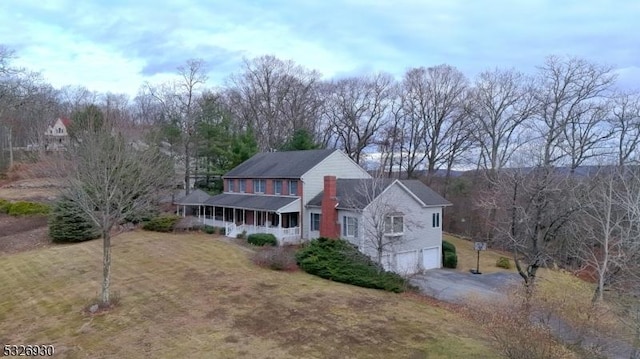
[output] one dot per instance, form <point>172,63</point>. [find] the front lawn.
<point>192,295</point>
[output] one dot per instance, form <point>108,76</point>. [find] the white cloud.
<point>118,44</point>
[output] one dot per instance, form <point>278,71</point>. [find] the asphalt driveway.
<point>456,287</point>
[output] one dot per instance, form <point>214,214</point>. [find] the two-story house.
<point>300,195</point>
<point>268,192</point>
<point>57,136</point>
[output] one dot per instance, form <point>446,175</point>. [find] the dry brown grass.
<point>195,296</point>
<point>467,256</point>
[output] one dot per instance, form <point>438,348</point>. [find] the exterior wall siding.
<point>419,232</point>
<point>337,164</point>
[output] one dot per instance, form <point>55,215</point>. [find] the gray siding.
<point>419,232</point>
<point>337,164</point>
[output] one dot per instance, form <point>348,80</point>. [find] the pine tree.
<point>67,223</point>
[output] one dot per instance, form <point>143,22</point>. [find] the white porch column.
<point>279,225</point>
<point>224,219</point>
<point>184,211</point>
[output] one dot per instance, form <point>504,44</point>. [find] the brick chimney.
<point>329,226</point>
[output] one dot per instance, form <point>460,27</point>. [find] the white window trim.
<point>256,185</point>
<point>312,221</point>
<point>275,191</point>
<point>346,226</point>
<point>290,182</point>
<point>435,220</point>
<point>393,234</point>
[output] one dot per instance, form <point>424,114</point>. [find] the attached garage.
<point>431,258</point>
<point>407,262</point>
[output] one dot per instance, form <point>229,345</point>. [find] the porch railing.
<point>284,235</point>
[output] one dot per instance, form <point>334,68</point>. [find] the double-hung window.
<point>293,187</point>
<point>259,185</point>
<point>230,185</point>
<point>277,186</point>
<point>243,186</point>
<point>394,224</point>
<point>349,226</point>
<point>315,221</point>
<point>435,220</point>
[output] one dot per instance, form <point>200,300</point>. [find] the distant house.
<point>300,195</point>
<point>57,136</point>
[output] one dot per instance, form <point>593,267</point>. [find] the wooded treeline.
<point>525,139</point>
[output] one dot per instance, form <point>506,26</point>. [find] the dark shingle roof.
<point>426,194</point>
<point>196,197</point>
<point>244,201</point>
<point>358,193</point>
<point>288,164</point>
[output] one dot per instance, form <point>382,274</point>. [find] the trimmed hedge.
<point>262,239</point>
<point>448,247</point>
<point>163,223</point>
<point>339,260</point>
<point>4,206</point>
<point>450,260</point>
<point>68,223</point>
<point>503,262</point>
<point>449,256</point>
<point>22,208</point>
<point>214,230</point>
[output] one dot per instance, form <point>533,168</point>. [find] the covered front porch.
<point>251,214</point>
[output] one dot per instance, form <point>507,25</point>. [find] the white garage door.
<point>431,258</point>
<point>407,262</point>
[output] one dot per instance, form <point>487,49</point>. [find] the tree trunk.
<point>106,266</point>
<point>635,352</point>
<point>10,149</point>
<point>187,172</point>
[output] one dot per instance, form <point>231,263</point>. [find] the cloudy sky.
<point>115,45</point>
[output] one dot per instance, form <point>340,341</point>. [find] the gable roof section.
<point>428,196</point>
<point>287,164</point>
<point>350,192</point>
<point>244,201</point>
<point>195,198</point>
<point>65,121</point>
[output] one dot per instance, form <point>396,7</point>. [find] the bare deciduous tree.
<point>625,122</point>
<point>434,103</point>
<point>110,180</point>
<point>356,108</point>
<point>274,98</point>
<point>569,96</point>
<point>500,104</point>
<point>178,100</point>
<point>604,233</point>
